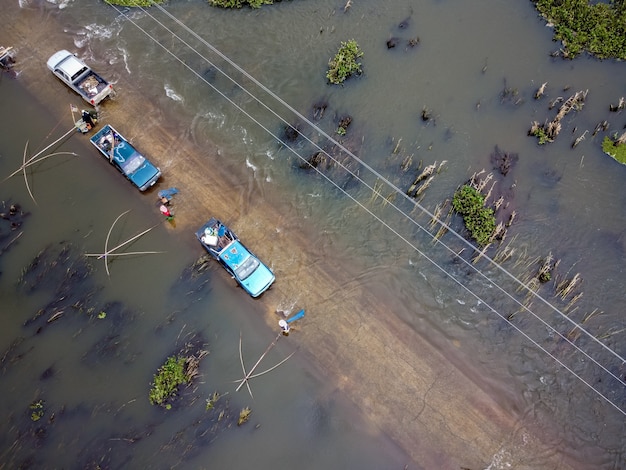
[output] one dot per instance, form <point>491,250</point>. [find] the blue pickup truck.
<point>223,245</point>
<point>126,158</point>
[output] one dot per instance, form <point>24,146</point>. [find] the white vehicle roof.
<point>70,63</point>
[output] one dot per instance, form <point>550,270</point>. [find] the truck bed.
<point>92,84</point>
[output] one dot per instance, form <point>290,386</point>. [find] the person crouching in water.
<point>166,212</point>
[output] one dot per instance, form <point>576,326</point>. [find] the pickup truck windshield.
<point>247,268</point>
<point>130,165</point>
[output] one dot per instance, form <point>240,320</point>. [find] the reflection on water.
<point>479,96</point>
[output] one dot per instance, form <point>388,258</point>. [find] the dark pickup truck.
<point>79,77</point>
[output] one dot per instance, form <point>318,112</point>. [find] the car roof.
<point>71,65</point>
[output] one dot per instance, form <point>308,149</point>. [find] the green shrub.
<point>344,64</point>
<point>239,3</point>
<point>541,134</point>
<point>134,3</point>
<point>615,150</point>
<point>166,381</point>
<point>581,25</point>
<point>37,410</point>
<point>478,219</point>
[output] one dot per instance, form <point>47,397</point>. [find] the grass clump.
<point>166,381</point>
<point>37,410</point>
<point>239,3</point>
<point>212,400</point>
<point>596,27</point>
<point>344,64</point>
<point>244,416</point>
<point>541,132</point>
<point>615,149</point>
<point>478,219</point>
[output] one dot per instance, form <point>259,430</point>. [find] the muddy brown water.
<point>398,362</point>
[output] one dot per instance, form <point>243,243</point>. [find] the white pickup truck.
<point>79,77</point>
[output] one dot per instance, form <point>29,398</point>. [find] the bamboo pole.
<point>109,252</point>
<point>106,241</point>
<point>132,239</point>
<point>24,172</point>
<point>249,373</point>
<point>243,367</point>
<point>128,253</point>
<point>271,368</point>
<point>31,161</point>
<point>73,129</point>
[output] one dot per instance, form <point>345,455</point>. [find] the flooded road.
<point>520,349</point>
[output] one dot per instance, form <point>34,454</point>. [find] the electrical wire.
<point>378,194</point>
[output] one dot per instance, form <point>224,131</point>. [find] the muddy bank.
<point>399,380</point>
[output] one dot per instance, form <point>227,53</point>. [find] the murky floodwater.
<point>475,70</point>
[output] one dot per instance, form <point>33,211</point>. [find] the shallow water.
<point>476,69</point>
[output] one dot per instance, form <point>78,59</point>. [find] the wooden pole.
<point>271,368</point>
<point>249,374</point>
<point>109,252</point>
<point>128,253</point>
<point>25,162</point>
<point>243,367</point>
<point>106,242</point>
<point>73,129</point>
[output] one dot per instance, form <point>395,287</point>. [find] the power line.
<point>378,175</point>
<point>378,194</point>
<point>369,168</point>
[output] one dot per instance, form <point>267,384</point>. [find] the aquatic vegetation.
<point>210,402</point>
<point>10,221</point>
<point>510,95</point>
<point>190,437</point>
<point>427,114</point>
<point>37,410</point>
<point>615,148</point>
<point>579,139</point>
<point>410,43</point>
<point>344,123</point>
<point>596,27</point>
<point>291,132</point>
<point>428,173</point>
<point>344,64</point>
<point>575,332</point>
<point>179,369</point>
<point>479,220</point>
<point>621,104</point>
<point>134,3</point>
<point>244,416</point>
<point>545,271</point>
<point>61,271</point>
<point>541,90</point>
<point>549,130</point>
<point>169,377</point>
<point>567,286</point>
<point>438,215</point>
<point>503,161</point>
<point>239,3</point>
